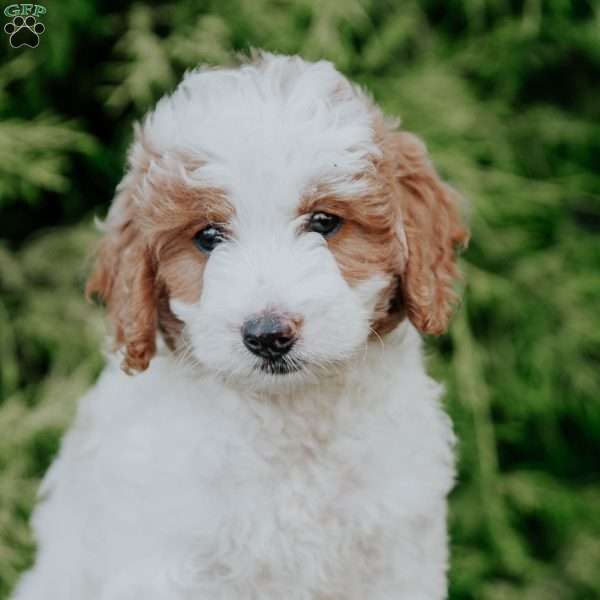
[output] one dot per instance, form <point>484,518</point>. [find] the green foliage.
<point>33,152</point>
<point>49,352</point>
<point>506,95</point>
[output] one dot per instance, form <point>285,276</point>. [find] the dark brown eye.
<point>324,223</point>
<point>208,238</point>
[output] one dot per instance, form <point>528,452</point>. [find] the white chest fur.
<point>201,491</point>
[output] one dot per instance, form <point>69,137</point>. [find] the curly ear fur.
<point>429,231</point>
<point>124,279</point>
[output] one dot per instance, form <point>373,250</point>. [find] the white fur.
<point>173,486</point>
<point>203,478</point>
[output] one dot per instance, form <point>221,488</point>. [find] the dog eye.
<point>208,238</point>
<point>324,223</point>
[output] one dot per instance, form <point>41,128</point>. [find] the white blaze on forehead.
<point>267,131</point>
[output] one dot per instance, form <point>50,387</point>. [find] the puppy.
<point>268,262</point>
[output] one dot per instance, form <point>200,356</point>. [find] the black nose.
<point>269,335</point>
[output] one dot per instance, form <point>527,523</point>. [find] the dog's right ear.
<point>124,275</point>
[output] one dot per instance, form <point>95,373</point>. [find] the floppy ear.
<point>429,231</point>
<point>124,279</point>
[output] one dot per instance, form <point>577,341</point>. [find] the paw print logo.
<point>24,31</point>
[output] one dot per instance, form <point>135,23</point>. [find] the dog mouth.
<point>279,366</point>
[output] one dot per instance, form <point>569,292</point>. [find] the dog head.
<point>270,221</point>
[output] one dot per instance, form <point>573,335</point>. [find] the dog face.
<point>270,221</point>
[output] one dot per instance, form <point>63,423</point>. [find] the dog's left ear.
<point>429,230</point>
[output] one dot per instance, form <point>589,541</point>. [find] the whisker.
<point>376,334</point>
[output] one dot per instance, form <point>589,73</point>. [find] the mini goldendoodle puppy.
<point>269,260</point>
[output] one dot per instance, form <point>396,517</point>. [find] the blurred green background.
<point>507,95</point>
